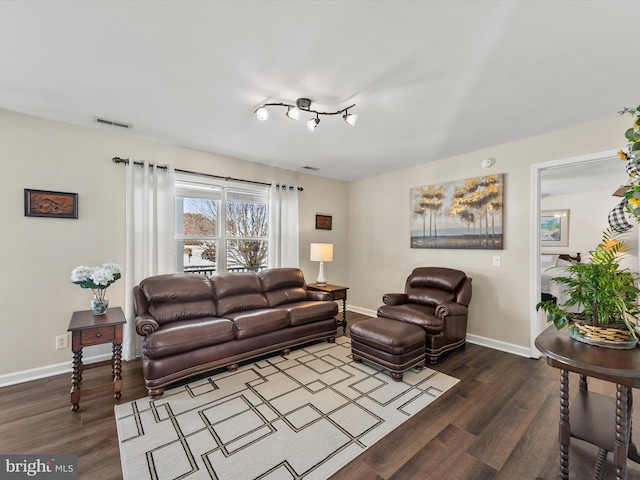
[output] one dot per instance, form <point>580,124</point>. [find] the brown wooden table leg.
<point>76,378</point>
<point>117,369</point>
<point>344,316</point>
<point>564,429</point>
<point>621,444</point>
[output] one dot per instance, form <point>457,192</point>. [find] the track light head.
<point>350,118</point>
<point>293,113</point>
<point>313,123</point>
<point>262,113</point>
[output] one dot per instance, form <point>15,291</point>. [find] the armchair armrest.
<point>394,298</point>
<point>319,296</point>
<point>449,309</point>
<point>146,325</point>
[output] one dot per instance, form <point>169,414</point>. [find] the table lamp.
<point>321,252</point>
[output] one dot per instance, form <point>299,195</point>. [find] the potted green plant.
<point>605,295</point>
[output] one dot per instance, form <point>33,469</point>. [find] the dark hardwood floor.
<point>499,422</point>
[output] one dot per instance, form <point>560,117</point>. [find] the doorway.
<point>570,178</point>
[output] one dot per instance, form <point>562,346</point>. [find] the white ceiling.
<point>429,79</point>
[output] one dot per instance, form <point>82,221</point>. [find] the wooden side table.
<point>337,293</point>
<point>592,413</point>
<point>86,330</point>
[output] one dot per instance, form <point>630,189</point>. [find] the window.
<point>220,226</point>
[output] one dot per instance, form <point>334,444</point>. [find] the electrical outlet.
<point>62,341</point>
<point>496,261</point>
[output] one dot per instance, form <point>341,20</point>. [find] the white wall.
<point>380,257</point>
<point>38,254</point>
<point>587,220</point>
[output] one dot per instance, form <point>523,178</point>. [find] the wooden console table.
<point>337,293</point>
<point>88,329</point>
<point>600,420</point>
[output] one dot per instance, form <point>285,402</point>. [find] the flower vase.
<point>99,305</point>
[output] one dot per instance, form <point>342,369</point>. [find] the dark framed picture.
<point>43,203</point>
<point>323,222</point>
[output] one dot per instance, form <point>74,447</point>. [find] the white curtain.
<point>283,226</point>
<point>150,235</point>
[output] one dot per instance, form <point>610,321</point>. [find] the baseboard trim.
<point>499,345</point>
<point>47,371</point>
<point>363,311</point>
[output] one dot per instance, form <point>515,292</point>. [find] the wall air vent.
<point>307,167</point>
<point>112,123</point>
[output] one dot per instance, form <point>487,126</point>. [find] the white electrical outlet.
<point>62,341</point>
<point>496,261</point>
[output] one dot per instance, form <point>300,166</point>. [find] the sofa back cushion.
<point>283,285</point>
<point>178,296</point>
<point>235,292</point>
<point>433,285</point>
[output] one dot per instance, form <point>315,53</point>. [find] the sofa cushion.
<point>301,313</point>
<point>178,296</point>
<point>186,335</point>
<point>256,322</point>
<point>421,315</point>
<point>236,292</point>
<point>282,285</point>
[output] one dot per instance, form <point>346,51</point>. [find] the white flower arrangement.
<point>96,278</point>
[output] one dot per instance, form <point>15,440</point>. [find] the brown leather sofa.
<point>192,324</point>
<point>437,300</point>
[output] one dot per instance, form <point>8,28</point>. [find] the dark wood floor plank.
<point>499,438</point>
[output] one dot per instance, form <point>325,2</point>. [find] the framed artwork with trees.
<point>461,214</point>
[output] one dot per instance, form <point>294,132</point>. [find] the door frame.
<point>534,264</point>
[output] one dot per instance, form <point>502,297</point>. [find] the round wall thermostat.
<point>488,162</point>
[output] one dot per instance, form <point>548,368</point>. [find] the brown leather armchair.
<point>437,300</point>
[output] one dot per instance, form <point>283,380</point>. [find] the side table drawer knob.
<point>98,335</point>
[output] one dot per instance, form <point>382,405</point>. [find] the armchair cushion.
<point>421,315</point>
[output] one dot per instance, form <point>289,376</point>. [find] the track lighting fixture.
<point>304,105</point>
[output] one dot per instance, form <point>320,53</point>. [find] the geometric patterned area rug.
<point>303,416</point>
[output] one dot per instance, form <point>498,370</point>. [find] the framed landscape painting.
<point>554,228</point>
<point>462,214</point>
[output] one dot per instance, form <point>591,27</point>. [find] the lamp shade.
<point>321,252</point>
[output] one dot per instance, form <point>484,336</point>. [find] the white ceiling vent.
<point>113,123</point>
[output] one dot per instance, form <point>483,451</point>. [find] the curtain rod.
<point>164,167</point>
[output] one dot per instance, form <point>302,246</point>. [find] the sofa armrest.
<point>449,309</point>
<point>394,298</point>
<point>146,325</point>
<point>319,296</point>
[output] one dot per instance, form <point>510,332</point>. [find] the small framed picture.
<point>554,228</point>
<point>323,222</point>
<point>43,203</point>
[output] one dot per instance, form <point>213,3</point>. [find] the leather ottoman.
<point>391,344</point>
